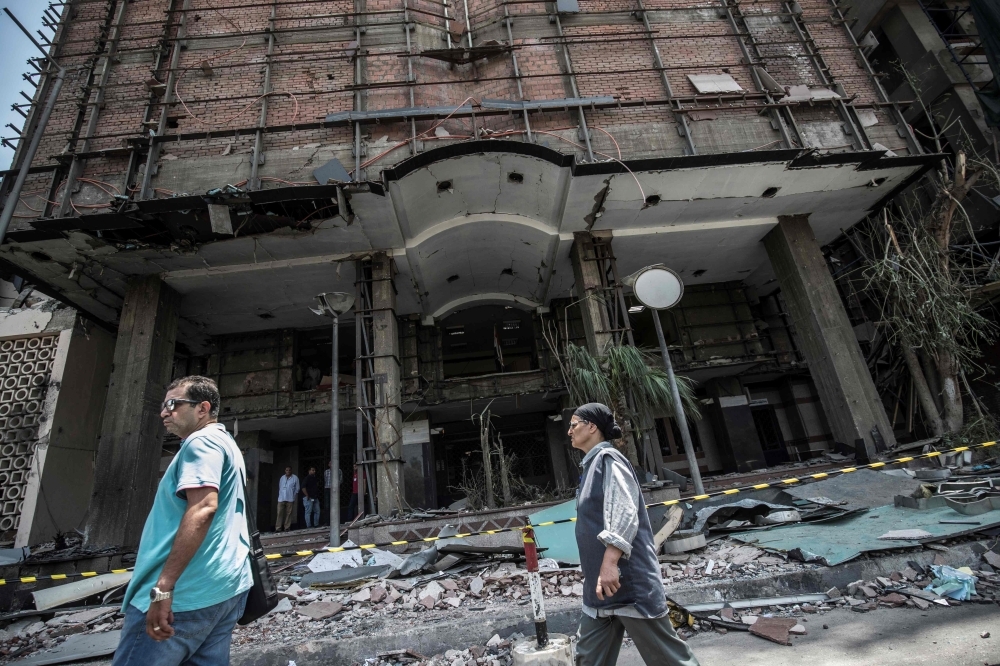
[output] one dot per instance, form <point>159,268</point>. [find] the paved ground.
<point>884,637</point>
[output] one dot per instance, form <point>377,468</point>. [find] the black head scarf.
<point>600,416</point>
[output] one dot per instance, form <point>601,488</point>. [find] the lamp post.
<point>659,288</point>
<point>333,304</point>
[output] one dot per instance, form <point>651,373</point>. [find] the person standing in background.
<point>310,498</point>
<point>352,506</point>
<point>327,481</point>
<point>288,491</point>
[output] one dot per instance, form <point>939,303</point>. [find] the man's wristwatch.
<point>157,595</point>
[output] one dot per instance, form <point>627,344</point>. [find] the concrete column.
<point>850,401</point>
<point>733,425</point>
<point>388,384</point>
<point>593,310</point>
<point>128,454</point>
<point>259,460</point>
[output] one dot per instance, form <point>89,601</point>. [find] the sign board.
<point>416,432</point>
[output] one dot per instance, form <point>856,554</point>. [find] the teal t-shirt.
<point>220,569</point>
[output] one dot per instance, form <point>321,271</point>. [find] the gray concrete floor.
<point>883,637</point>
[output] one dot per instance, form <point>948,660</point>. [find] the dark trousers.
<point>655,638</point>
<point>352,507</point>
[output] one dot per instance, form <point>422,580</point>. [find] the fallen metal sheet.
<point>342,576</point>
<point>684,541</point>
<point>81,589</point>
<point>426,558</point>
<point>973,508</point>
<point>837,542</point>
<point>864,488</point>
<point>559,540</point>
<point>75,648</point>
<point>745,509</point>
<point>757,603</point>
<point>466,549</point>
<point>922,503</point>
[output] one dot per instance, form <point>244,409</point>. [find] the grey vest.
<point>641,585</point>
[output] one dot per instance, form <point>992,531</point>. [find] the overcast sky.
<point>16,49</point>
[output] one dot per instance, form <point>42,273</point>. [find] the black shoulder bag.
<point>263,596</point>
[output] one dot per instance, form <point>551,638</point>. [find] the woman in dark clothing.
<point>622,587</point>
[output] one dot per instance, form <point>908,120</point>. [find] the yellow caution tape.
<point>521,528</point>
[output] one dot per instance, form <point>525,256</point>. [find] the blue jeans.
<point>312,511</point>
<point>202,637</point>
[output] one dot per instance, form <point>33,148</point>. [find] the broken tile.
<point>476,585</point>
<point>321,610</point>
<point>748,619</point>
<point>432,590</point>
<point>377,594</point>
<point>920,603</point>
<point>798,630</point>
<point>993,559</point>
<point>773,629</point>
<point>362,596</point>
<point>893,599</point>
<point>868,592</point>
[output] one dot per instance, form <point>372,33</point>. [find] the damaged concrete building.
<point>480,175</point>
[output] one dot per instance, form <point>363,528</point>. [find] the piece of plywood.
<point>674,516</point>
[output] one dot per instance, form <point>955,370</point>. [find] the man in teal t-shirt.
<point>192,572</point>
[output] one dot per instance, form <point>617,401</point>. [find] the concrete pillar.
<point>259,460</point>
<point>388,385</point>
<point>128,454</point>
<point>732,422</point>
<point>593,310</point>
<point>850,401</point>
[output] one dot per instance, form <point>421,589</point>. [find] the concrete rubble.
<point>368,606</point>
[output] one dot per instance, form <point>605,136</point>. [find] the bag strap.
<point>248,512</point>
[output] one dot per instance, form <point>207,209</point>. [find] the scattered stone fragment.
<point>920,603</point>
<point>993,559</point>
<point>749,619</point>
<point>377,594</point>
<point>773,629</point>
<point>362,596</point>
<point>893,599</point>
<point>868,592</point>
<point>833,593</point>
<point>495,641</point>
<point>320,610</point>
<point>985,634</point>
<point>476,585</point>
<point>798,630</point>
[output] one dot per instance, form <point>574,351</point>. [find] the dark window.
<point>671,443</point>
<point>486,340</point>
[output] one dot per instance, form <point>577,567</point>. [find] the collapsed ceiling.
<point>468,224</point>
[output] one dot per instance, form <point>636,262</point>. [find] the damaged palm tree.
<point>628,380</point>
<point>928,296</point>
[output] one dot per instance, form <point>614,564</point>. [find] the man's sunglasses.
<point>171,404</point>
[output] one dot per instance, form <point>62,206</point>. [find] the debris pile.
<point>496,652</point>
<point>29,634</point>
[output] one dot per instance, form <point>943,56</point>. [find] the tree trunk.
<point>484,442</point>
<point>951,392</point>
<point>924,396</point>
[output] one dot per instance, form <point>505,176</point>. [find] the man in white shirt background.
<point>288,492</point>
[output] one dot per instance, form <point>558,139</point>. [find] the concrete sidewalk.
<point>884,637</point>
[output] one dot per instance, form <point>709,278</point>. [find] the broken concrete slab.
<point>343,576</point>
<point>84,617</point>
<point>321,610</point>
<point>77,590</point>
<point>75,648</point>
<point>323,562</point>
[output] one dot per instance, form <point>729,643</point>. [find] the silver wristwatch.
<point>157,595</point>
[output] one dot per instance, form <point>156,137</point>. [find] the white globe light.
<point>658,287</point>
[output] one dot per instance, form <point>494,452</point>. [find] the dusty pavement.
<point>885,637</point>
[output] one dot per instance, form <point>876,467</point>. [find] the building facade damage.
<point>480,176</point>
